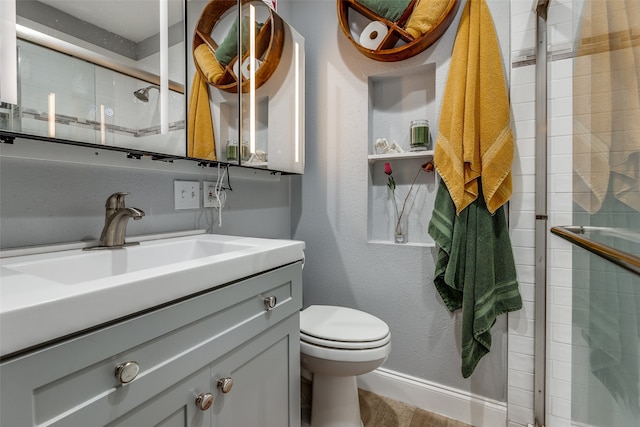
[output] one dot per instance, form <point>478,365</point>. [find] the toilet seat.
<point>341,328</point>
<point>344,345</point>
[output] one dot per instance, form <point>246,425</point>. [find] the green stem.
<point>404,204</point>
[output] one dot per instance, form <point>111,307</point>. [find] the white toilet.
<point>336,344</point>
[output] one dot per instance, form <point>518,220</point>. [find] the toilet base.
<point>335,402</point>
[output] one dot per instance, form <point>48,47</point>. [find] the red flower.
<point>387,168</point>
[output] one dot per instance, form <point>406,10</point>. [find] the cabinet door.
<point>266,381</point>
<point>175,407</point>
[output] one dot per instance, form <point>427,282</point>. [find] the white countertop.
<point>37,307</point>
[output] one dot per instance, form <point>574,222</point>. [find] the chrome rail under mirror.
<point>587,238</point>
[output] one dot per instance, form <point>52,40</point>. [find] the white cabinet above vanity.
<point>209,339</point>
<point>146,78</point>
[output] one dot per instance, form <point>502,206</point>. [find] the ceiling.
<point>135,20</point>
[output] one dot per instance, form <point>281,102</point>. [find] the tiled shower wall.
<point>560,35</point>
<point>82,88</point>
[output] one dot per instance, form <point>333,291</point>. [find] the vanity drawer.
<point>74,382</point>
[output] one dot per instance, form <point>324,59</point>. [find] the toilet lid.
<point>342,324</point>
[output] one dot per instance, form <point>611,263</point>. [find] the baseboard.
<point>459,405</point>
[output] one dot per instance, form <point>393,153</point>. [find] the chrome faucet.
<point>115,221</point>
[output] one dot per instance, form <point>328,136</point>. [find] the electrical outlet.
<point>186,194</point>
<point>209,199</point>
<point>209,195</point>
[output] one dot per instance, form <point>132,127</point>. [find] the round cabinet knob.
<point>270,303</point>
<point>225,384</point>
<point>127,372</point>
<point>204,401</point>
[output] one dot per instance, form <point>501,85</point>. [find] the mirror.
<point>101,73</point>
<point>255,93</point>
<point>120,75</point>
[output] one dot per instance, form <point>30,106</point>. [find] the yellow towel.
<point>474,138</point>
<point>208,63</point>
<point>606,105</point>
<point>200,140</point>
<point>425,14</point>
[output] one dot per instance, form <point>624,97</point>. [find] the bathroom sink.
<point>55,291</point>
<point>85,266</point>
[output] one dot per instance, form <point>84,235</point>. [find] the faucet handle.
<point>116,200</point>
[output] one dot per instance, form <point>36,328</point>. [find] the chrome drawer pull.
<point>127,372</point>
<point>225,384</point>
<point>204,401</point>
<point>270,303</point>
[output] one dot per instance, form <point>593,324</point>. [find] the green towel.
<point>389,9</point>
<point>475,270</point>
<point>228,49</point>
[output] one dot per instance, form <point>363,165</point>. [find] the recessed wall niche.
<point>395,99</point>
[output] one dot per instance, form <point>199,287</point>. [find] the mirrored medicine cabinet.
<point>212,81</point>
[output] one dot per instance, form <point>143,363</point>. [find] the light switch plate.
<point>186,194</point>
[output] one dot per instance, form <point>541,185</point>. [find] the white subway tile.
<point>560,202</point>
<point>524,166</point>
<point>522,201</point>
<point>559,388</point>
<point>560,126</point>
<point>523,111</point>
<point>562,183</point>
<point>560,164</point>
<point>522,238</point>
<point>523,256</point>
<point>561,333</point>
<point>523,93</point>
<point>560,370</point>
<point>526,274</point>
<point>525,146</point>
<point>559,13</point>
<point>524,183</point>
<point>560,218</point>
<point>561,107</point>
<point>558,315</point>
<point>561,407</point>
<point>560,296</point>
<point>560,88</point>
<point>520,415</point>
<point>520,7</point>
<point>560,144</point>
<point>561,258</point>
<point>559,277</point>
<point>522,220</point>
<point>562,69</point>
<point>560,352</point>
<point>521,362</point>
<point>523,76</point>
<point>520,397</point>
<point>523,20</point>
<point>521,344</point>
<point>554,421</point>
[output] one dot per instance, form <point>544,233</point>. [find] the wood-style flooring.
<point>379,411</point>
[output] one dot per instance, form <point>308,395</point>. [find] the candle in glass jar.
<point>232,151</point>
<point>420,135</point>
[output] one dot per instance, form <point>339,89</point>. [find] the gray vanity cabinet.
<point>183,351</point>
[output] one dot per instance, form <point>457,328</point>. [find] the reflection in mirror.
<point>270,71</point>
<point>90,72</point>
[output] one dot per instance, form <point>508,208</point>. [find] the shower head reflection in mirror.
<point>143,93</point>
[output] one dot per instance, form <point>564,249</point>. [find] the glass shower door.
<point>605,272</point>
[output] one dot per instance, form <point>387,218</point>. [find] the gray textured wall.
<point>61,198</point>
<point>391,282</point>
